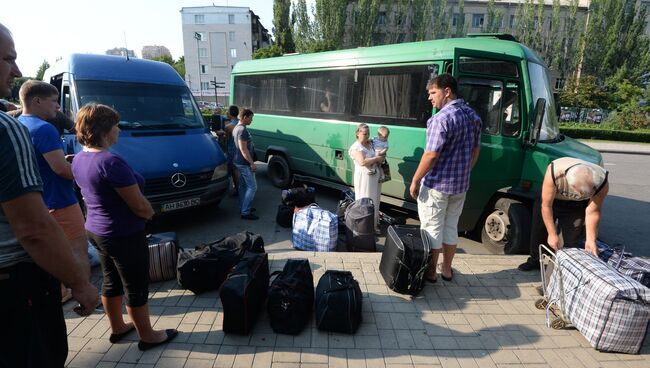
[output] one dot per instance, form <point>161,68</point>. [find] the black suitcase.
<point>360,226</point>
<point>284,217</point>
<point>205,269</point>
<point>338,302</point>
<point>244,292</point>
<point>291,297</point>
<point>299,197</point>
<point>405,259</point>
<point>163,256</point>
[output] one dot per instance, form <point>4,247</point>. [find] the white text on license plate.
<point>180,204</point>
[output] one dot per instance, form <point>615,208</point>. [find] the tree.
<point>329,23</point>
<point>441,27</point>
<point>526,28</point>
<point>365,19</point>
<point>165,59</point>
<point>267,52</point>
<point>493,19</point>
<point>399,21</point>
<point>282,27</point>
<point>461,27</point>
<point>569,47</point>
<point>552,42</point>
<point>302,27</point>
<point>587,93</point>
<point>422,11</point>
<point>179,66</point>
<point>41,70</point>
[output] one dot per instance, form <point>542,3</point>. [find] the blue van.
<point>163,135</point>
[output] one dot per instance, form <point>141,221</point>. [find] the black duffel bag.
<point>244,292</point>
<point>338,302</point>
<point>291,297</point>
<point>205,269</point>
<point>284,217</point>
<point>299,197</point>
<point>244,241</point>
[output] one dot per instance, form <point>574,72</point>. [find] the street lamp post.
<point>197,37</point>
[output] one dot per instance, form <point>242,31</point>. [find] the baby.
<point>380,144</point>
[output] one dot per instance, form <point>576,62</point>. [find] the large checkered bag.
<point>634,267</point>
<point>610,310</point>
<point>315,229</point>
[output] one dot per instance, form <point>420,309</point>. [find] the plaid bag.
<point>610,310</point>
<point>315,229</point>
<point>622,261</point>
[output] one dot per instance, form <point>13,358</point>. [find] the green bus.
<point>307,108</point>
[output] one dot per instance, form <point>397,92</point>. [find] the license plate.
<point>171,206</point>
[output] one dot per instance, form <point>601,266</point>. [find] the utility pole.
<point>197,37</point>
<point>217,85</point>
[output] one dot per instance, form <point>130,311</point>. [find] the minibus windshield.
<point>144,106</point>
<point>541,88</point>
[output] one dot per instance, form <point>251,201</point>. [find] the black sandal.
<point>171,333</point>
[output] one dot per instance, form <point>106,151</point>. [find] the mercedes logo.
<point>179,180</point>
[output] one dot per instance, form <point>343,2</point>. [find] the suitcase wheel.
<point>541,303</point>
<point>558,324</point>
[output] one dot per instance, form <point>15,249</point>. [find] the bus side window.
<point>485,97</point>
<point>511,112</point>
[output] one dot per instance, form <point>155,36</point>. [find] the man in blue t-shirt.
<point>40,102</point>
<point>245,165</point>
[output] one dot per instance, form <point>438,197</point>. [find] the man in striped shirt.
<point>442,177</point>
<point>34,252</point>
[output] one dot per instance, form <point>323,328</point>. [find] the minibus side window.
<point>511,111</point>
<point>66,102</point>
<point>485,97</point>
<point>247,91</point>
<point>324,92</point>
<point>274,94</point>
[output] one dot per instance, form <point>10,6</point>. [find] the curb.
<point>619,151</point>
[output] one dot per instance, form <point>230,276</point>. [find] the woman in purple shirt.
<point>116,215</point>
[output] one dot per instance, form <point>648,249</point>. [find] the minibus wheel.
<point>279,171</point>
<point>506,229</point>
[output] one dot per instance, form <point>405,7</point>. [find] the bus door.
<point>492,85</point>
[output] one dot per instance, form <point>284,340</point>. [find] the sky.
<point>49,29</point>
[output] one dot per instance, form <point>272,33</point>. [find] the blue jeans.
<point>247,188</point>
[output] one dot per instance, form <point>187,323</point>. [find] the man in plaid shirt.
<point>442,177</point>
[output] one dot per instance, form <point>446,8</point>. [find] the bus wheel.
<point>279,171</point>
<point>507,229</point>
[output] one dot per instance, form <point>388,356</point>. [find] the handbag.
<point>315,229</point>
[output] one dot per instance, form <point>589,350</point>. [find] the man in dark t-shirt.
<point>245,164</point>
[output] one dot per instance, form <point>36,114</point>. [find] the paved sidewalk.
<point>485,318</point>
<point>615,147</point>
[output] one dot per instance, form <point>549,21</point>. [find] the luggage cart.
<point>548,263</point>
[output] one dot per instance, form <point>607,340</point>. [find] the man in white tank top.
<point>572,197</point>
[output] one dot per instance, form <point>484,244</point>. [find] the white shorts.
<point>439,214</point>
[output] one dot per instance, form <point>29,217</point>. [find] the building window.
<point>231,18</point>
<point>477,20</point>
<point>231,36</point>
<point>454,19</point>
<point>381,18</point>
<point>233,53</point>
<point>203,52</point>
<point>205,86</point>
<point>559,84</point>
<point>199,19</point>
<point>204,69</point>
<point>512,21</point>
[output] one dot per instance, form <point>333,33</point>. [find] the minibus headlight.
<point>220,171</point>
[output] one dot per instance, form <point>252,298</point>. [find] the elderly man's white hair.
<point>582,178</point>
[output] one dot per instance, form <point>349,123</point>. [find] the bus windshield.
<point>144,106</point>
<point>541,87</point>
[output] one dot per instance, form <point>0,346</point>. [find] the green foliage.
<point>18,82</point>
<point>267,52</point>
<point>606,134</point>
<point>329,26</point>
<point>629,114</point>
<point>461,27</point>
<point>365,19</point>
<point>41,70</point>
<point>399,21</point>
<point>303,33</point>
<point>587,93</point>
<point>552,42</point>
<point>441,27</point>
<point>165,59</point>
<point>282,27</point>
<point>421,16</point>
<point>493,18</point>
<point>179,65</point>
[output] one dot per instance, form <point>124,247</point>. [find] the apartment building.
<point>215,38</point>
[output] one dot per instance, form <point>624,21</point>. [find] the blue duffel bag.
<point>315,229</point>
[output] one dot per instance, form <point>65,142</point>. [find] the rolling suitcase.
<point>609,309</point>
<point>405,259</point>
<point>338,302</point>
<point>244,292</point>
<point>360,226</point>
<point>163,256</point>
<point>291,297</point>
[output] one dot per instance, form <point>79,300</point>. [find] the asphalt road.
<point>625,220</point>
